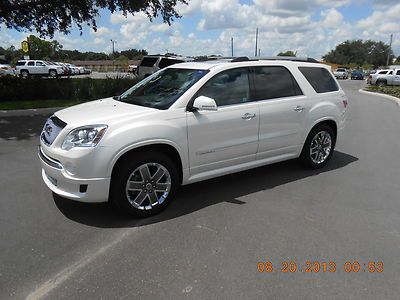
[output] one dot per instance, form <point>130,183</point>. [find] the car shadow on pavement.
<point>21,127</point>
<point>197,196</point>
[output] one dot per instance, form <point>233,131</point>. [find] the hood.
<point>103,111</point>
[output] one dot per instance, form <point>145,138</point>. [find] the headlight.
<point>85,136</point>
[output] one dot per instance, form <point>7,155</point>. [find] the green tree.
<point>359,52</point>
<point>288,53</point>
<point>41,49</point>
<point>397,61</point>
<point>47,17</point>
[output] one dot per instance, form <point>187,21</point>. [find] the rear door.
<point>40,68</point>
<point>283,108</point>
<point>396,80</point>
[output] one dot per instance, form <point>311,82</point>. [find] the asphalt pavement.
<point>208,243</point>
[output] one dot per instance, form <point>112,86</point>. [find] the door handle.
<point>298,108</point>
<point>248,116</point>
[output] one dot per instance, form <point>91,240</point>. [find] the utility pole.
<point>390,48</point>
<point>113,53</point>
<point>232,45</point>
<point>113,46</point>
<point>256,41</point>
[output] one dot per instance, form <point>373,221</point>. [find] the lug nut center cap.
<point>148,186</point>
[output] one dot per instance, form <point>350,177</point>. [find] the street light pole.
<point>255,54</point>
<point>390,48</point>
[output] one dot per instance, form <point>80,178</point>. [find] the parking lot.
<point>208,243</point>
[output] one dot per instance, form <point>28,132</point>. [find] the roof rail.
<point>289,58</point>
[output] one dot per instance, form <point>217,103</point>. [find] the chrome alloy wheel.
<point>321,147</point>
<point>148,185</point>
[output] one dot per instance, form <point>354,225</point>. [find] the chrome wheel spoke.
<point>158,175</point>
<point>135,186</point>
<point>140,198</point>
<point>145,172</point>
<point>161,187</point>
<point>153,198</point>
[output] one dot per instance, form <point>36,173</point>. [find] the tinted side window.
<point>398,72</point>
<point>39,64</point>
<point>274,82</point>
<point>382,72</point>
<point>165,62</point>
<point>20,63</point>
<point>228,87</point>
<point>148,61</point>
<point>390,73</point>
<point>31,63</point>
<point>320,79</point>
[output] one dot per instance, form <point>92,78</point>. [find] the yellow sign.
<point>25,46</point>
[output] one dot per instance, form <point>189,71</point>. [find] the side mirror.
<point>205,103</point>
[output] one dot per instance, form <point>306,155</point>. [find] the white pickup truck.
<point>341,73</point>
<point>385,77</point>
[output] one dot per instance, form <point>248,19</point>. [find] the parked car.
<point>151,64</point>
<point>6,70</point>
<point>341,73</point>
<point>191,122</point>
<point>74,69</point>
<point>358,75</point>
<point>26,68</point>
<point>385,77</point>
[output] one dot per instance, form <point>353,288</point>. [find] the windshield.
<point>163,88</point>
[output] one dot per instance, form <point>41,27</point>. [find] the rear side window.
<point>31,63</point>
<point>20,63</point>
<point>383,72</point>
<point>320,79</point>
<point>165,62</point>
<point>148,61</point>
<point>398,72</point>
<point>274,82</point>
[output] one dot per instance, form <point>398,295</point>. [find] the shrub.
<point>81,89</point>
<point>389,90</point>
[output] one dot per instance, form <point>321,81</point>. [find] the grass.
<point>26,104</point>
<point>388,90</point>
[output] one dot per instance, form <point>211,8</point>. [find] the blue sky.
<point>310,27</point>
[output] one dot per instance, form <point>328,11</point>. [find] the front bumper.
<point>60,182</point>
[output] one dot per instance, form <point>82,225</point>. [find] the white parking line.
<point>69,271</point>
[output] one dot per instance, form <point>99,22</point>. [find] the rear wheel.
<point>144,184</point>
<point>319,146</point>
<point>24,73</point>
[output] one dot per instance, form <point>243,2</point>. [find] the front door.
<point>228,136</point>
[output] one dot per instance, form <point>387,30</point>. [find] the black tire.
<point>53,73</point>
<point>119,195</point>
<point>24,74</point>
<point>306,157</point>
<point>381,83</point>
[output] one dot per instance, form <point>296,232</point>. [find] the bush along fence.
<point>80,89</point>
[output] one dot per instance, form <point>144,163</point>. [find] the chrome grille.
<point>51,129</point>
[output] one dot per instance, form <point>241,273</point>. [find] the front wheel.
<point>53,73</point>
<point>144,184</point>
<point>318,148</point>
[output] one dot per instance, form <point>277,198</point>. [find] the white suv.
<point>26,68</point>
<point>191,122</point>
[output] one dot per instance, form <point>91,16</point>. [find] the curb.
<point>395,99</point>
<point>29,112</point>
